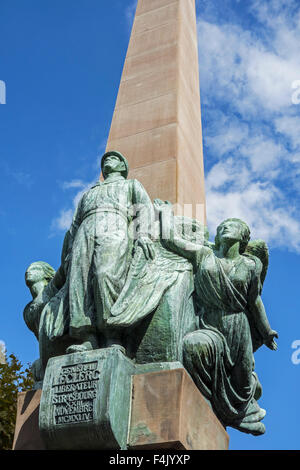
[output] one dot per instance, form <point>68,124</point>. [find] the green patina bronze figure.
<point>97,251</point>
<point>232,322</point>
<point>41,315</point>
<point>135,277</point>
<point>95,259</point>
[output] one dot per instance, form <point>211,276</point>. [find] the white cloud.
<point>235,63</point>
<point>289,126</point>
<point>230,134</point>
<point>252,131</point>
<point>263,153</point>
<point>255,143</point>
<point>270,78</point>
<point>274,13</point>
<point>228,172</point>
<point>64,220</point>
<point>73,184</point>
<point>258,206</point>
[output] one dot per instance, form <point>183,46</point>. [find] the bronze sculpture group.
<point>137,277</point>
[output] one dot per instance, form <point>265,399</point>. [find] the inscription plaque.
<point>85,401</point>
<point>74,393</point>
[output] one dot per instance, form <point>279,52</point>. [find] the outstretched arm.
<point>257,309</point>
<point>171,240</point>
<point>262,324</point>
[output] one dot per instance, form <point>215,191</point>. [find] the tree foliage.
<point>14,378</point>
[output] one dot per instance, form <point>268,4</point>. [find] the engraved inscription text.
<point>74,393</point>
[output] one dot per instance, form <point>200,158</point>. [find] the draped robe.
<point>219,355</point>
<point>96,257</point>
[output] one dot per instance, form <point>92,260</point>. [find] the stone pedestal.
<point>101,400</point>
<point>169,412</point>
<point>85,402</point>
<point>27,435</point>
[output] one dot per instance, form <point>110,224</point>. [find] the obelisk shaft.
<point>157,119</point>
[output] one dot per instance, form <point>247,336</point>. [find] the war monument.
<point>147,329</point>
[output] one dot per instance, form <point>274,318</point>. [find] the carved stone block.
<point>27,434</point>
<point>101,400</point>
<point>168,411</point>
<point>86,400</point>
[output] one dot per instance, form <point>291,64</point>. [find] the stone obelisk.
<point>101,399</point>
<point>157,118</point>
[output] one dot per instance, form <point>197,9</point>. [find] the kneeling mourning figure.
<point>135,277</point>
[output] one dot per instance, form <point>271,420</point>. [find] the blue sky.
<point>61,61</point>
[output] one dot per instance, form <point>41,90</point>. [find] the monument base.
<point>169,412</point>
<point>27,434</point>
<point>101,400</point>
